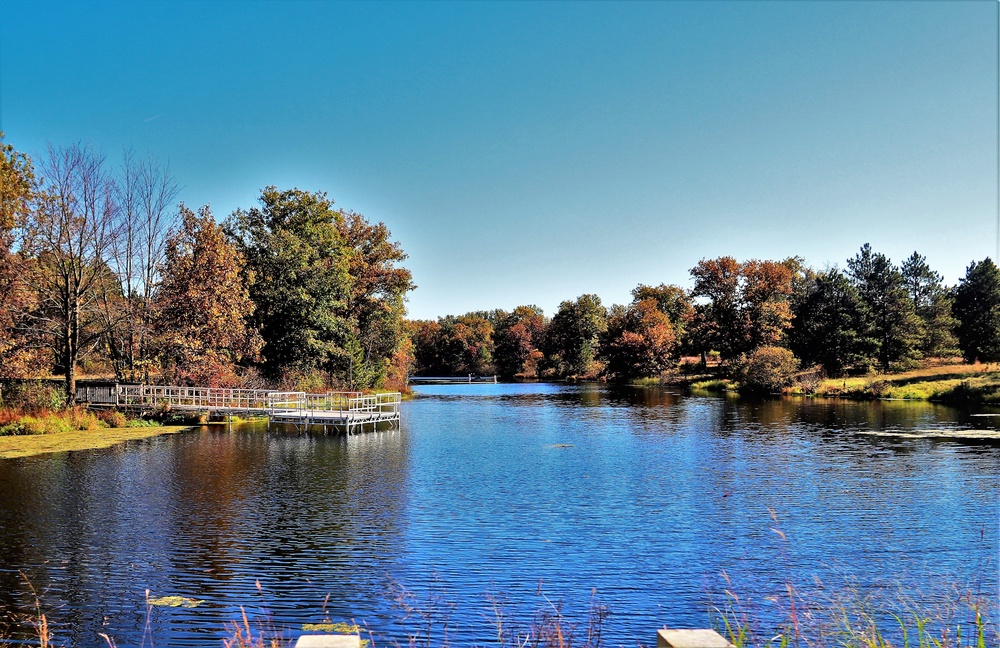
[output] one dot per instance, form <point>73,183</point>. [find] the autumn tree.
<point>932,302</point>
<point>65,239</point>
<point>977,308</point>
<point>744,305</point>
<point>639,341</point>
<point>889,319</point>
<point>571,339</point>
<point>144,193</point>
<point>203,305</point>
<point>517,339</point>
<point>375,303</point>
<point>466,344</point>
<point>428,355</point>
<point>17,195</point>
<point>673,301</point>
<point>828,324</point>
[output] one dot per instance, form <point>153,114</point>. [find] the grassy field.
<point>34,444</point>
<point>948,383</point>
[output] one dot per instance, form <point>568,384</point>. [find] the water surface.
<point>647,496</point>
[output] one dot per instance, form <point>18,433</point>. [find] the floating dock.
<point>333,411</point>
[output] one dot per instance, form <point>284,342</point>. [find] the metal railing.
<point>248,400</point>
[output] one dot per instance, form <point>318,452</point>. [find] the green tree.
<point>889,319</point>
<point>828,322</point>
<point>203,304</point>
<point>639,341</point>
<point>571,340</point>
<point>977,308</point>
<point>294,249</point>
<point>932,303</point>
<point>329,291</point>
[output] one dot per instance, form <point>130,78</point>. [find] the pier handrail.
<point>247,400</point>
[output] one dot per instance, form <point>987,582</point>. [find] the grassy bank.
<point>946,383</point>
<point>953,383</point>
<point>34,444</point>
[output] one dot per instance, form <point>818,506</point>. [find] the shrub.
<point>139,423</point>
<point>33,396</point>
<point>767,369</point>
<point>113,418</point>
<point>82,419</point>
<point>46,424</point>
<point>13,428</point>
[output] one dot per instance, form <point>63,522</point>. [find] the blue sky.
<point>531,152</point>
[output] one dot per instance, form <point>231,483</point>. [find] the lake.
<point>526,496</point>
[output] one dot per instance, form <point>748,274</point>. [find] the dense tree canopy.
<point>517,339</point>
<point>296,255</point>
<point>18,356</point>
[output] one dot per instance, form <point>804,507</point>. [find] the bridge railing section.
<point>192,397</point>
<point>377,403</point>
<point>218,398</point>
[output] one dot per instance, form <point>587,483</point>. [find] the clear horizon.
<point>527,153</point>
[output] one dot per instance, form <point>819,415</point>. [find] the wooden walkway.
<point>340,411</point>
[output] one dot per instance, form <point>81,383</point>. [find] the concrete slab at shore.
<point>691,639</point>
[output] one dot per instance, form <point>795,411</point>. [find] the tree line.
<point>763,321</point>
<point>100,268</point>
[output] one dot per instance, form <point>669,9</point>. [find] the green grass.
<point>945,383</point>
<point>713,385</point>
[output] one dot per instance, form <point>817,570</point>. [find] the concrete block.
<point>328,641</point>
<point>691,639</point>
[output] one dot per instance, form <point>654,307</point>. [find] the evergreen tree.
<point>977,308</point>
<point>828,324</point>
<point>932,304</point>
<point>889,321</point>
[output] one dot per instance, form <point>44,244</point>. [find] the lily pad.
<point>175,601</point>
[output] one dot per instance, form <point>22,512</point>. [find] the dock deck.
<point>344,411</point>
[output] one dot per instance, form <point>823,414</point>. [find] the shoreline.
<point>956,384</point>
<point>30,445</point>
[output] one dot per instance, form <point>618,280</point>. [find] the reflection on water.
<point>645,494</point>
